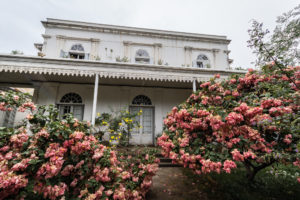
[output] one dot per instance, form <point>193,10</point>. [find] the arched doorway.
<point>145,134</point>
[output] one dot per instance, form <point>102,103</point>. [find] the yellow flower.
<point>110,130</point>
<point>141,111</point>
<point>126,120</point>
<point>109,141</point>
<point>120,134</point>
<point>141,127</point>
<point>120,124</point>
<point>98,114</point>
<point>112,137</point>
<point>104,123</point>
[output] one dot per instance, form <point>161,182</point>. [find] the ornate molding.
<point>77,38</point>
<point>67,67</point>
<point>127,43</point>
<point>76,25</point>
<point>189,48</point>
<point>46,36</point>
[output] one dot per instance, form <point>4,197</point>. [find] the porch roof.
<point>68,69</point>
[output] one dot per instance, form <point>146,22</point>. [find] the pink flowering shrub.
<point>10,99</point>
<point>250,120</point>
<point>58,159</point>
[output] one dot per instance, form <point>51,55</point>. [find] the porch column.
<point>194,86</point>
<point>95,99</point>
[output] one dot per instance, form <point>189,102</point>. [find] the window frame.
<point>142,59</point>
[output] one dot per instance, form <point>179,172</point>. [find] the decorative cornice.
<point>141,44</point>
<point>77,38</point>
<point>68,67</point>
<point>227,51</point>
<point>189,48</point>
<point>76,25</point>
<point>38,46</point>
<point>46,36</point>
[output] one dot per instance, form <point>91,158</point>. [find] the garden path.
<point>171,184</point>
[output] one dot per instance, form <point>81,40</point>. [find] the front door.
<point>144,134</point>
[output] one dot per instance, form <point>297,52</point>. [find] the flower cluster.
<point>61,160</point>
<point>243,119</point>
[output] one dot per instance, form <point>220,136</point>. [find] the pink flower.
<point>16,98</point>
<point>234,118</point>
<point>287,139</point>
<point>135,179</point>
<point>249,154</point>
<point>237,155</point>
<point>228,165</point>
<point>206,84</point>
<point>74,182</point>
<point>109,192</point>
<point>77,135</point>
<point>235,94</point>
<point>232,81</point>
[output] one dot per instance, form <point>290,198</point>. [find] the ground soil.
<point>171,183</point>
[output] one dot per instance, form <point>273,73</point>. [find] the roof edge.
<point>51,22</point>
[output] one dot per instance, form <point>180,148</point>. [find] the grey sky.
<point>20,25</point>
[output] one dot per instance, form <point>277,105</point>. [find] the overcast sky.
<point>20,25</point>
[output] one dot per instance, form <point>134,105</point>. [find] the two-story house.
<point>88,68</point>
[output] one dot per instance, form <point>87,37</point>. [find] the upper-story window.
<point>142,56</point>
<point>77,52</point>
<point>202,61</point>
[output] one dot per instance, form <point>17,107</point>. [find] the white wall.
<point>114,98</point>
<point>172,51</point>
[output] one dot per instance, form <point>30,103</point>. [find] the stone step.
<point>167,164</point>
<point>162,159</point>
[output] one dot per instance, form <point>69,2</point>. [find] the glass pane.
<point>64,110</point>
<point>78,112</point>
<point>147,122</point>
<point>137,118</point>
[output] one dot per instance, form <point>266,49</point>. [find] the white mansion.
<point>89,68</point>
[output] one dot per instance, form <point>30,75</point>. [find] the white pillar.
<point>194,86</point>
<point>95,99</point>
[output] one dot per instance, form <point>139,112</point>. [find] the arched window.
<point>202,61</point>
<point>77,47</point>
<point>71,98</point>
<point>71,103</point>
<point>142,56</point>
<point>77,52</point>
<point>141,100</point>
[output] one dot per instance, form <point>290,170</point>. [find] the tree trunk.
<point>252,170</point>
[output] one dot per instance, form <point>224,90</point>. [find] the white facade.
<point>108,42</point>
<point>162,66</point>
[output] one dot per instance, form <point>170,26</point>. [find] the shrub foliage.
<point>53,158</point>
<point>251,119</point>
